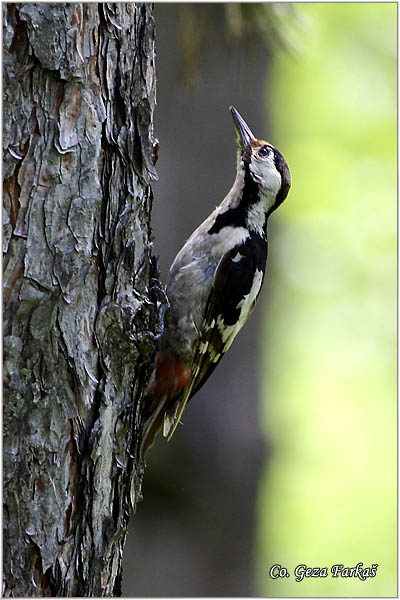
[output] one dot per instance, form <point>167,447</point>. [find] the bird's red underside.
<point>170,376</point>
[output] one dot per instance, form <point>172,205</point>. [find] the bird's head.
<point>265,169</point>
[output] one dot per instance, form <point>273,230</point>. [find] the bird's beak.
<point>245,135</point>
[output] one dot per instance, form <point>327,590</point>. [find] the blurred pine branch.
<point>277,24</point>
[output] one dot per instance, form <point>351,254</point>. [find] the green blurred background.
<point>328,494</point>
<point>288,453</point>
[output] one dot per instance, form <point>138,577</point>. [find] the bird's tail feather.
<point>151,427</point>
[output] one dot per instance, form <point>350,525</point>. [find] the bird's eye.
<point>264,151</point>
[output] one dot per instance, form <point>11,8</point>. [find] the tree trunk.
<point>80,289</point>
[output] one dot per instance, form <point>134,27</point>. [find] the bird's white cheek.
<point>276,182</point>
<point>270,188</point>
<point>267,176</point>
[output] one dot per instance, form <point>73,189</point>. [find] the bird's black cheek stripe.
<point>284,172</point>
<point>236,217</point>
<point>251,190</point>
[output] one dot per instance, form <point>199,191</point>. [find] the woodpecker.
<point>214,283</point>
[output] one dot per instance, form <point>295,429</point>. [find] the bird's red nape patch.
<point>170,376</point>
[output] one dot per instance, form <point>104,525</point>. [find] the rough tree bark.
<point>80,289</point>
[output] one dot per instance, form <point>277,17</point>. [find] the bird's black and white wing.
<point>236,284</point>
